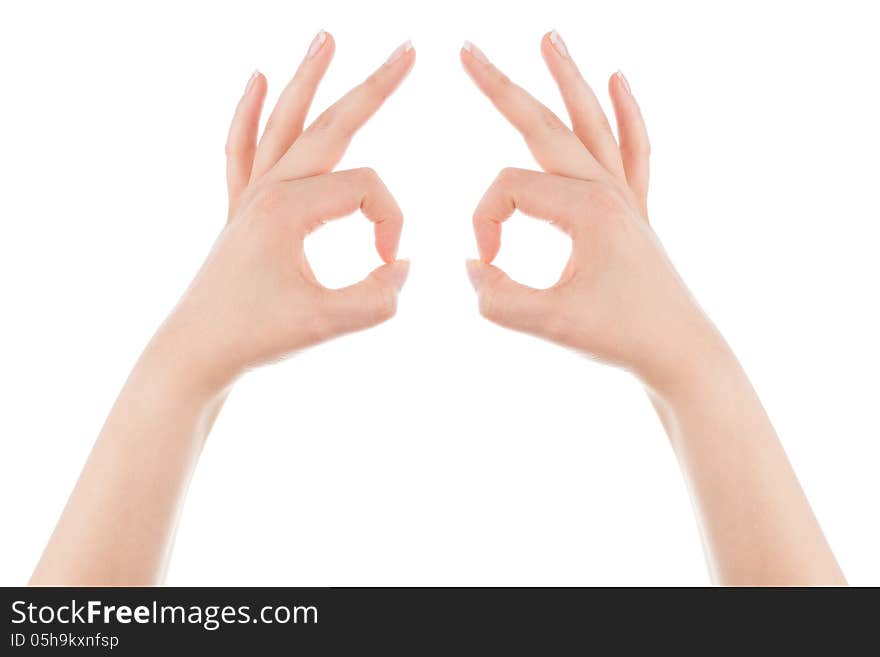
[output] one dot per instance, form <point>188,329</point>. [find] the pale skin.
<point>256,300</point>
<point>620,300</point>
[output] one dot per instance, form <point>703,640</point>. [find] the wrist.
<point>688,364</point>
<point>182,358</point>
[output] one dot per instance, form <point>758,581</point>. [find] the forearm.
<point>118,526</point>
<point>255,300</point>
<point>756,523</point>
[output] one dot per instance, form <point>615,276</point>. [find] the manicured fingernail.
<point>399,272</point>
<point>475,272</point>
<point>250,82</point>
<point>317,42</point>
<point>625,82</point>
<point>402,49</point>
<point>476,52</point>
<point>558,43</point>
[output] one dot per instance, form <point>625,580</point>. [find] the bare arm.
<point>254,301</point>
<point>620,300</point>
<point>756,523</point>
<point>118,526</point>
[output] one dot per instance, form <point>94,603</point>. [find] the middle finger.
<point>285,123</point>
<point>323,144</point>
<point>556,148</point>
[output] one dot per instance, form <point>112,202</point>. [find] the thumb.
<point>369,302</point>
<point>506,302</point>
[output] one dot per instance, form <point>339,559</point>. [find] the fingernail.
<point>317,42</point>
<point>250,82</point>
<point>403,48</point>
<point>399,272</point>
<point>475,272</point>
<point>476,52</point>
<point>558,43</point>
<point>624,81</point>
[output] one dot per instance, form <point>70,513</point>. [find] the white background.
<point>440,449</point>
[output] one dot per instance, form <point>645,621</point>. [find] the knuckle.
<point>269,200</point>
<point>502,87</point>
<point>367,175</point>
<point>331,123</point>
<point>373,85</point>
<point>542,122</point>
<point>324,123</point>
<point>607,201</point>
<point>549,120</point>
<point>509,176</point>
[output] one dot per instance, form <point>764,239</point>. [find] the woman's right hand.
<point>255,298</point>
<point>619,298</point>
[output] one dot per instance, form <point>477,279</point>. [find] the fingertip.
<point>470,52</point>
<point>321,46</point>
<point>250,83</point>
<point>368,302</point>
<point>626,107</point>
<point>467,65</point>
<point>488,235</point>
<point>393,273</point>
<point>404,55</point>
<point>329,48</point>
<point>635,146</point>
<point>558,44</point>
<point>255,87</point>
<point>400,272</point>
<point>318,57</point>
<point>409,60</point>
<point>396,68</point>
<point>618,83</point>
<point>387,252</point>
<point>388,240</point>
<point>476,272</point>
<point>259,84</point>
<point>245,120</point>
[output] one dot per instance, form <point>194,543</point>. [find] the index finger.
<point>540,195</point>
<point>556,148</point>
<point>341,193</point>
<point>323,144</point>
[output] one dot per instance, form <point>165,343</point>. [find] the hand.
<point>619,298</point>
<point>256,298</point>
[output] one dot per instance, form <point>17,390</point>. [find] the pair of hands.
<point>619,299</point>
<point>256,299</point>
